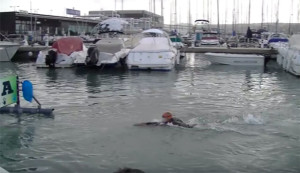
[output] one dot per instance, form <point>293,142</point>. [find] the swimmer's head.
<point>167,116</point>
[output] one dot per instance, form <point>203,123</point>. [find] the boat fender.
<point>93,58</point>
<point>51,58</point>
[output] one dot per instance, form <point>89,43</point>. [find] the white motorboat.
<point>235,59</point>
<point>8,50</point>
<point>289,57</point>
<point>107,52</point>
<point>278,40</point>
<point>210,39</point>
<point>64,53</point>
<point>110,50</point>
<point>154,52</point>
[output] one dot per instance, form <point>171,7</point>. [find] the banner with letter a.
<point>8,91</point>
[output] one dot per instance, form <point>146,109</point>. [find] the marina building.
<point>23,22</point>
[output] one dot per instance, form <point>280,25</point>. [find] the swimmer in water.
<point>167,118</point>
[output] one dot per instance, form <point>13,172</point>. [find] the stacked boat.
<point>289,57</point>
<point>153,52</point>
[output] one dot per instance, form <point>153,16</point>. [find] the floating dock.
<point>267,52</point>
<point>258,51</point>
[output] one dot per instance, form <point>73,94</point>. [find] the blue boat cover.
<point>274,40</point>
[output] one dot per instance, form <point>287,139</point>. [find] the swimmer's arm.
<point>186,125</point>
<point>149,124</point>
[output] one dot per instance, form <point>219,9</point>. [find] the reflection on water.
<point>246,117</point>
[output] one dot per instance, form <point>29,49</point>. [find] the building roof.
<point>43,16</point>
<point>124,12</point>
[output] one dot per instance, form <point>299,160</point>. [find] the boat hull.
<point>151,61</point>
<point>235,59</point>
<point>62,61</point>
<point>7,52</point>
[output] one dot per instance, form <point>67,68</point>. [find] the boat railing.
<point>5,38</point>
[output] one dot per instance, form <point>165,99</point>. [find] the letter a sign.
<point>8,91</point>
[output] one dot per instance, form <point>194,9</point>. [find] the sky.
<point>200,9</point>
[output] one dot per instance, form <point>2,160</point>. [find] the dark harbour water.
<point>248,120</point>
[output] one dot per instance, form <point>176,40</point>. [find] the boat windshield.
<point>210,36</point>
<point>278,36</point>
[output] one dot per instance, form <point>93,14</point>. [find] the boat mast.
<point>122,5</point>
<point>268,19</point>
<point>218,18</point>
<point>262,14</point>
<point>171,22</point>
<point>225,29</point>
<point>189,16</point>
<point>298,18</point>
<point>277,16</point>
<point>176,15</point>
<point>162,8</point>
<point>203,9</point>
<point>249,13</point>
<point>291,16</point>
<point>233,16</point>
<point>154,6</point>
<point>208,10</point>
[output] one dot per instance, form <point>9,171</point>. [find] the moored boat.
<point>154,52</point>
<point>64,53</point>
<point>210,39</point>
<point>8,50</point>
<point>235,59</point>
<point>110,50</point>
<point>289,57</point>
<point>278,40</point>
